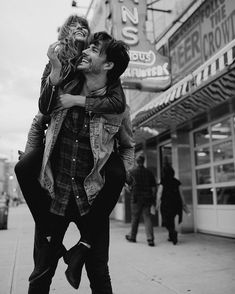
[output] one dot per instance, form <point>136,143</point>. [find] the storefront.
<point>190,125</point>
<point>213,160</point>
<point>194,119</point>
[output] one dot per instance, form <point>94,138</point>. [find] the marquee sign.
<point>147,70</point>
<point>207,31</point>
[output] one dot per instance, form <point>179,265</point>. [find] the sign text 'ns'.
<point>147,70</point>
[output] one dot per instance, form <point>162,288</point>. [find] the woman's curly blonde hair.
<point>70,48</point>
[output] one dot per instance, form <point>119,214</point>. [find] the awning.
<point>209,85</point>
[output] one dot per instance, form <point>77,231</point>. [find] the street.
<point>198,264</point>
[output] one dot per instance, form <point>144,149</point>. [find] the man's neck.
<point>94,83</point>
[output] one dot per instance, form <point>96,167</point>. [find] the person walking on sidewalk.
<point>170,200</point>
<point>143,193</point>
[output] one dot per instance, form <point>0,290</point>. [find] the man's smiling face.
<point>93,59</point>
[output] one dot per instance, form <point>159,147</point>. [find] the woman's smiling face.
<point>79,31</point>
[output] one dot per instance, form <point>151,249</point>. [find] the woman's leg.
<point>27,172</point>
<point>170,225</point>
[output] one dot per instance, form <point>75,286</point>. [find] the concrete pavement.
<point>199,264</point>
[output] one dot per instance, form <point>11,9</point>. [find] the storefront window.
<point>225,195</point>
<point>205,196</point>
<point>203,176</point>
<point>214,163</point>
<point>221,130</point>
<point>223,151</point>
<point>234,122</point>
<point>201,137</point>
<point>224,173</point>
<point>202,156</point>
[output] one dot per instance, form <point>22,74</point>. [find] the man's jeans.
<point>138,209</point>
<point>95,224</point>
<point>96,263</point>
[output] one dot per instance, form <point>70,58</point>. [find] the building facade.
<point>192,123</point>
<point>194,118</point>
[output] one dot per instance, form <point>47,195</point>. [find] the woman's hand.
<point>52,54</point>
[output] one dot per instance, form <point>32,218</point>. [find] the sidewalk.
<point>199,264</point>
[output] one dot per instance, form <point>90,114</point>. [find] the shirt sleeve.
<point>48,92</point>
<point>114,102</point>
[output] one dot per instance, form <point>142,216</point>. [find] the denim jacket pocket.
<point>109,131</point>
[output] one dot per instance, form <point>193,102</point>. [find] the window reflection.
<point>224,173</point>
<point>203,176</point>
<point>202,156</point>
<point>223,151</point>
<point>201,137</point>
<point>205,196</point>
<point>225,195</point>
<point>221,130</point>
<point>166,154</point>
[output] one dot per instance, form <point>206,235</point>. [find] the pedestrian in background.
<point>143,191</point>
<point>170,200</point>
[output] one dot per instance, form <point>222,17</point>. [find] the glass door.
<point>214,176</point>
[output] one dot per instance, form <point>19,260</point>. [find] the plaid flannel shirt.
<point>72,162</point>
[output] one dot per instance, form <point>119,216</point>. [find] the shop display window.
<point>205,196</point>
<point>202,156</point>
<point>224,173</point>
<point>223,151</point>
<point>221,130</point>
<point>214,163</point>
<point>201,137</point>
<point>225,195</point>
<point>203,176</point>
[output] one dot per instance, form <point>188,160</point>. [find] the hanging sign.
<point>147,70</point>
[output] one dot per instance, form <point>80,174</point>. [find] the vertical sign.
<point>147,70</point>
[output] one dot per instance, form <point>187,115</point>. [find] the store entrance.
<point>213,153</point>
<point>165,156</point>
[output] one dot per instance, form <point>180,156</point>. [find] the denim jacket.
<point>105,130</point>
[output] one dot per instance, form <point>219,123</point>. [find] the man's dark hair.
<point>140,159</point>
<point>116,51</point>
<point>168,172</point>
